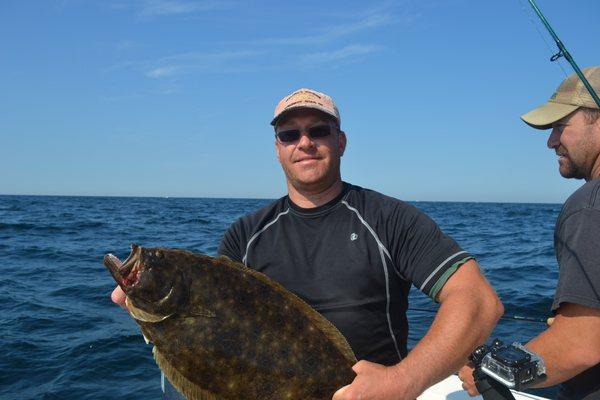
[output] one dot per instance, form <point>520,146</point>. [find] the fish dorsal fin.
<point>322,323</point>
<point>190,390</point>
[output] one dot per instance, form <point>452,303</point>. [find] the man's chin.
<point>565,172</point>
<point>311,182</point>
<point>570,173</point>
<point>309,177</point>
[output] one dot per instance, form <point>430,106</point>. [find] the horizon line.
<point>258,198</point>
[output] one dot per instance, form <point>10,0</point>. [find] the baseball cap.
<point>306,98</point>
<point>569,96</point>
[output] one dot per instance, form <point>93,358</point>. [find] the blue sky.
<point>174,98</point>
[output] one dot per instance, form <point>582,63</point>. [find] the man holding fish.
<point>352,254</point>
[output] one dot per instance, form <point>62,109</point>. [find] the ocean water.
<point>62,338</point>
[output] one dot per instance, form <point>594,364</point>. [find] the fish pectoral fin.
<point>189,389</point>
<point>200,312</point>
<point>142,315</point>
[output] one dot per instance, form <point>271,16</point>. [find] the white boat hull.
<point>451,389</point>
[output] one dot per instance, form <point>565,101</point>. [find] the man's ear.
<point>342,141</point>
<point>277,151</point>
<point>597,123</point>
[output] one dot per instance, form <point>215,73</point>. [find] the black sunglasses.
<point>314,132</point>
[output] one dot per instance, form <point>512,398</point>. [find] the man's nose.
<point>554,138</point>
<point>305,140</point>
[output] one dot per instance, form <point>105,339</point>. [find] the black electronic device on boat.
<point>499,367</point>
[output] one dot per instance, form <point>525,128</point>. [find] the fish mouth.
<point>126,273</point>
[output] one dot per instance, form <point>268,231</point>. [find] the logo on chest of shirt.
<point>353,236</point>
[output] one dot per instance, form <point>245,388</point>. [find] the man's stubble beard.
<point>327,180</point>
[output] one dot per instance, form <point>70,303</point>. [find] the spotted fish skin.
<point>224,331</point>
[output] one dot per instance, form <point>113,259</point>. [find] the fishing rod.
<point>563,52</point>
<point>510,317</point>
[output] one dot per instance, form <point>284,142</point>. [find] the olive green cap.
<point>569,96</point>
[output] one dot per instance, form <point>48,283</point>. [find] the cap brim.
<point>545,115</point>
<point>304,106</point>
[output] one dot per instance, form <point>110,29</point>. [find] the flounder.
<point>224,331</point>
